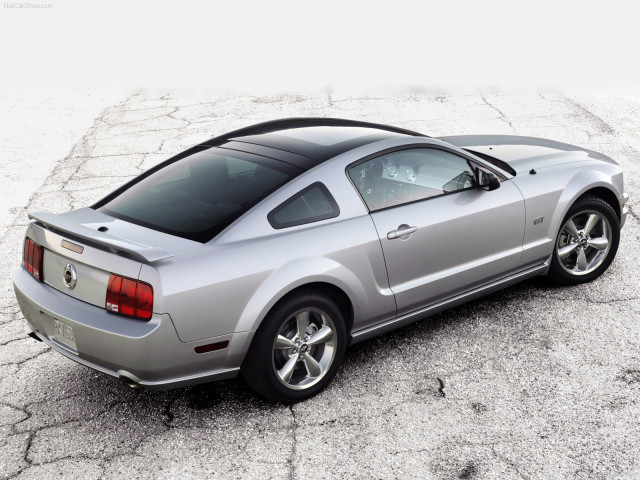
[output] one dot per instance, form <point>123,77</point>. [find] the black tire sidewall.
<point>556,271</point>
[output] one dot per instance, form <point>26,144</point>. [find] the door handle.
<point>402,231</point>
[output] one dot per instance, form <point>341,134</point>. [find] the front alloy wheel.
<point>583,243</point>
<point>586,243</point>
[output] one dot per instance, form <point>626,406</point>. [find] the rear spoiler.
<point>115,244</point>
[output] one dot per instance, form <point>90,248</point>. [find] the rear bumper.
<point>147,353</point>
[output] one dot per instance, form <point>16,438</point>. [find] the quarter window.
<point>312,204</point>
<point>410,175</point>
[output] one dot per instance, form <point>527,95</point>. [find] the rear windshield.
<point>198,196</point>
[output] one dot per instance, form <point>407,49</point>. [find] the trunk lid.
<point>94,245</point>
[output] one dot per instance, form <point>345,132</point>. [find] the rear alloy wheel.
<point>304,349</point>
<point>298,348</point>
<point>586,243</point>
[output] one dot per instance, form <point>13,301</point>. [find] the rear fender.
<point>293,275</point>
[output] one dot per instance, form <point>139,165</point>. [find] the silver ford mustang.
<point>268,250</point>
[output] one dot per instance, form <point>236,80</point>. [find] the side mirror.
<point>487,180</point>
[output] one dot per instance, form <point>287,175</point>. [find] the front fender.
<point>550,193</point>
<point>579,184</point>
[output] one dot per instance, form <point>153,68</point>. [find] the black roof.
<point>307,141</point>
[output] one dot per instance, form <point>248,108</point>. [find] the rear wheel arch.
<point>335,293</point>
<point>291,357</point>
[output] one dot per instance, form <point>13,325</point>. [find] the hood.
<point>524,153</point>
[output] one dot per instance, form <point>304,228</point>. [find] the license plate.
<point>63,333</point>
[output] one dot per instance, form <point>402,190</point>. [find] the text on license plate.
<point>64,333</point>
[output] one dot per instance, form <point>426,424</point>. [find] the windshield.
<point>198,196</point>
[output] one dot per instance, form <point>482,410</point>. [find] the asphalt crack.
<point>291,461</point>
<point>169,414</point>
<point>168,410</point>
<point>603,126</point>
<point>501,114</point>
<point>511,464</point>
<point>329,100</point>
<point>159,415</point>
<point>583,112</point>
<point>441,388</point>
<point>80,145</point>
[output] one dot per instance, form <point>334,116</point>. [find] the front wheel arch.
<point>577,257</point>
<point>608,196</point>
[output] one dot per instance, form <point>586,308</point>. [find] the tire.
<point>586,243</point>
<point>298,349</point>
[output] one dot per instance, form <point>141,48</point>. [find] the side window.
<point>312,204</point>
<point>409,175</point>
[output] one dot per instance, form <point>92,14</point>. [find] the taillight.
<point>32,258</point>
<point>130,297</point>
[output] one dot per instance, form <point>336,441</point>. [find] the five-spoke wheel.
<point>586,243</point>
<point>304,348</point>
<point>583,243</point>
<point>298,348</point>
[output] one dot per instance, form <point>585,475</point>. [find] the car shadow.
<point>427,328</point>
<point>235,395</point>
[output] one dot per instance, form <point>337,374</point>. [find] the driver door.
<point>441,234</point>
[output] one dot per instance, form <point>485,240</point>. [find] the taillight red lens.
<point>113,293</point>
<point>28,255</point>
<point>37,261</point>
<point>32,258</point>
<point>129,297</point>
<point>144,300</point>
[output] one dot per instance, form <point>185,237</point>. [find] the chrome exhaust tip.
<point>129,381</point>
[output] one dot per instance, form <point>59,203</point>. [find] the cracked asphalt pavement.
<point>536,381</point>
